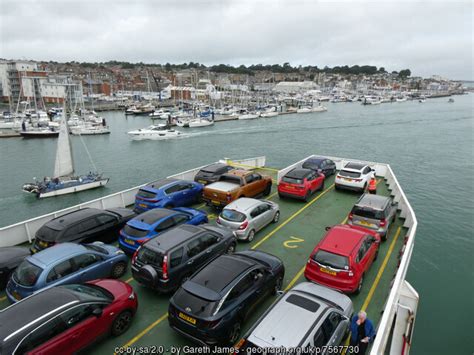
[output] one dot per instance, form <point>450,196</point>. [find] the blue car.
<point>65,263</point>
<point>154,222</point>
<point>167,193</point>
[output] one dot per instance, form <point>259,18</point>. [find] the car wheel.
<point>281,196</point>
<point>376,255</point>
<point>364,188</point>
<point>384,237</point>
<point>333,171</point>
<point>121,323</point>
<point>119,269</point>
<point>278,285</point>
<point>359,286</point>
<point>251,236</point>
<point>276,218</point>
<point>306,197</point>
<point>336,187</point>
<point>321,188</point>
<point>234,333</point>
<point>268,189</point>
<point>231,248</point>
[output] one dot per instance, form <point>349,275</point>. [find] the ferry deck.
<point>300,228</point>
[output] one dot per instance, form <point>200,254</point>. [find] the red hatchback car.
<point>342,257</point>
<point>300,184</point>
<point>66,319</point>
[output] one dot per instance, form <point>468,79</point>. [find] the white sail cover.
<point>64,165</point>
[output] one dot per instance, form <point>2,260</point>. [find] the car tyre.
<point>119,269</point>
<point>234,333</point>
<point>307,196</point>
<point>251,235</point>
<point>278,285</point>
<point>121,323</point>
<point>231,248</point>
<point>359,286</point>
<point>376,254</point>
<point>281,196</point>
<point>276,218</point>
<point>321,188</point>
<point>384,237</point>
<point>268,189</point>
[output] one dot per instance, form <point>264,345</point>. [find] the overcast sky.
<point>429,37</point>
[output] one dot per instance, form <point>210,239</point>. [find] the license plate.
<point>366,223</point>
<point>347,179</point>
<point>214,202</point>
<point>43,244</point>
<point>129,241</point>
<point>187,318</point>
<point>290,187</point>
<point>142,205</point>
<point>202,182</point>
<point>327,271</point>
<point>16,295</point>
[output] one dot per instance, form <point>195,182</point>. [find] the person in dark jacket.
<point>362,332</point>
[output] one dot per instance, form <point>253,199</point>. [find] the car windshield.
<point>367,212</point>
<point>351,174</point>
<point>27,273</point>
<point>333,260</point>
<point>230,178</point>
<point>232,215</point>
<point>97,248</point>
<point>311,165</point>
<point>149,256</point>
<point>146,194</point>
<point>199,306</point>
<point>134,232</point>
<point>90,291</point>
<point>291,180</point>
<point>47,233</point>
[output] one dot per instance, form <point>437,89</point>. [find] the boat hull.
<point>39,134</point>
<point>74,189</point>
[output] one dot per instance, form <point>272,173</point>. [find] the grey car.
<point>309,315</point>
<point>246,216</point>
<point>374,212</point>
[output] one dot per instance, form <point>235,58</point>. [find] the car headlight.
<point>132,296</point>
<point>118,252</point>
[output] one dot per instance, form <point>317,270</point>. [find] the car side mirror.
<point>97,312</point>
<point>327,228</point>
<point>280,292</point>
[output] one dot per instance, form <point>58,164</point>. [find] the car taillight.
<point>218,220</point>
<point>350,216</point>
<point>383,222</point>
<point>299,187</point>
<point>244,225</point>
<point>134,257</point>
<point>165,267</point>
<point>228,197</point>
<point>350,273</point>
<point>357,180</point>
<point>154,200</point>
<point>141,241</point>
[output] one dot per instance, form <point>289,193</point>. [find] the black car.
<point>211,173</point>
<point>10,258</point>
<point>320,164</point>
<point>164,262</point>
<point>83,226</point>
<point>211,306</point>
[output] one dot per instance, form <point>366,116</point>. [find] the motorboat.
<point>304,110</point>
<point>248,116</point>
<point>319,108</point>
<point>154,132</point>
<point>89,130</point>
<point>200,122</point>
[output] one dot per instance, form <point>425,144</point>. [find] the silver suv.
<point>307,316</point>
<point>374,212</point>
<point>246,216</point>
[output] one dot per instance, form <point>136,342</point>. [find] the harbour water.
<point>429,146</point>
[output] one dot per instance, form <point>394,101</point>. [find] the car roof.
<point>61,222</point>
<point>214,167</point>
<point>56,252</point>
<point>355,166</point>
<point>154,215</point>
<point>161,183</point>
<point>173,237</point>
<point>373,201</point>
<point>26,311</point>
<point>315,160</point>
<point>243,204</point>
<point>341,239</point>
<point>298,173</point>
<point>222,271</point>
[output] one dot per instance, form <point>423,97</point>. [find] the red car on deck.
<point>342,257</point>
<point>300,184</point>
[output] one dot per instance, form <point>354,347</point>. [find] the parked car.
<point>374,212</point>
<point>67,319</point>
<point>320,165</point>
<point>354,176</point>
<point>86,225</point>
<point>246,216</point>
<point>211,173</point>
<point>319,318</point>
<point>10,258</point>
<point>342,257</point>
<point>234,185</point>
<point>63,264</point>
<point>167,193</point>
<point>212,305</point>
<point>164,262</point>
<point>300,184</point>
<point>153,222</point>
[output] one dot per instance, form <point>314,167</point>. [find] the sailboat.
<point>64,180</point>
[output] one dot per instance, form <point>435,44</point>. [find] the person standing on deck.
<point>362,332</point>
<point>372,185</point>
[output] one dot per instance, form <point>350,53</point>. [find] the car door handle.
<point>208,251</point>
<point>190,261</point>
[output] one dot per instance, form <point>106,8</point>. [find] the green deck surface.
<point>292,239</point>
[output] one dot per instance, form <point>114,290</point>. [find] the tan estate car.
<point>236,184</point>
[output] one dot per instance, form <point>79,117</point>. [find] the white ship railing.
<point>399,284</point>
<point>22,232</point>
